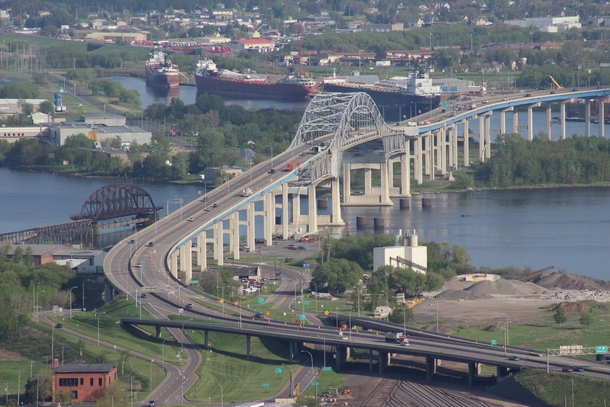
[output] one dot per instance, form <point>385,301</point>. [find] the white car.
<point>191,219</point>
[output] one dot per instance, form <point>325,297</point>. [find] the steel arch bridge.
<point>350,119</point>
<point>117,201</point>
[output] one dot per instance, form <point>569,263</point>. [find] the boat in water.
<point>397,98</point>
<point>160,72</point>
<point>210,79</point>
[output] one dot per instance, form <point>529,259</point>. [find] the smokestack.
<point>55,363</point>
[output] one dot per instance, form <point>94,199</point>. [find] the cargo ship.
<point>160,72</point>
<point>228,83</point>
<point>398,98</point>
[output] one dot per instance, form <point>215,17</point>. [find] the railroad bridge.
<point>109,206</point>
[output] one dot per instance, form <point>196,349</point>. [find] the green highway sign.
<point>601,349</point>
<point>306,303</point>
<point>315,383</point>
<point>265,384</point>
<point>261,300</point>
<point>327,368</point>
<point>494,342</point>
<point>278,370</point>
<point>445,105</point>
<point>302,317</point>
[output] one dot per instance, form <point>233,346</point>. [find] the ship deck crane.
<point>555,82</point>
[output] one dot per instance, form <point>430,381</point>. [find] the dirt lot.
<point>521,310</point>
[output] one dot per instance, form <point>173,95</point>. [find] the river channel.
<point>566,228</point>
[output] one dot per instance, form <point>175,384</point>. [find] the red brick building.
<point>84,382</point>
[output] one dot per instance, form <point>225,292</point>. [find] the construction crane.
<point>555,82</point>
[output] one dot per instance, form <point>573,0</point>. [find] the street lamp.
<point>163,351</point>
<point>436,314</point>
<point>315,285</point>
<point>98,327</point>
<point>311,356</point>
<point>71,299</point>
<point>291,384</point>
<point>83,309</point>
<point>34,296</point>
<point>350,325</point>
<point>222,398</point>
<point>37,294</point>
<point>505,333</point>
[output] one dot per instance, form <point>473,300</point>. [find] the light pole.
<point>98,328</point>
<point>34,296</point>
<point>349,326</point>
<point>150,374</point>
<point>291,384</point>
<point>71,299</point>
<point>222,397</point>
<point>182,388</point>
<point>183,334</point>
<point>505,333</point>
<point>83,309</point>
<point>163,351</point>
<point>316,297</point>
<point>131,390</point>
<point>436,314</point>
<point>37,294</point>
<point>311,356</point>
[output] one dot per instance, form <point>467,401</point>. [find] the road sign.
<point>302,317</point>
<point>315,383</point>
<point>494,342</point>
<point>327,368</point>
<point>236,303</point>
<point>306,302</point>
<point>278,370</point>
<point>261,300</point>
<point>222,300</point>
<point>265,384</point>
<point>326,312</point>
<point>268,313</point>
<point>446,105</point>
<point>306,265</point>
<point>601,349</point>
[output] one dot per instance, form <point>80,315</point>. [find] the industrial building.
<point>98,127</point>
<point>83,382</point>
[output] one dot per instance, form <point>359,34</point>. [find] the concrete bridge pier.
<point>342,353</point>
<point>466,142</point>
<point>296,207</point>
<point>202,250</point>
<point>218,244</point>
<point>336,203</point>
<point>313,209</point>
<point>474,369</point>
<point>454,146</point>
<point>405,171</point>
<point>549,119</point>
<point>157,331</point>
<point>430,155</point>
<point>601,117</point>
<point>347,188</point>
<point>587,118</point>
<point>417,161</point>
<point>488,135</point>
<point>442,153</point>
<point>173,261</point>
<point>186,261</point>
<point>515,121</point>
<point>269,217</point>
<point>235,234</point>
<point>250,225</point>
<point>383,361</point>
<point>530,120</point>
<point>501,371</point>
<point>109,292</point>
<point>285,221</point>
<point>370,360</point>
<point>562,120</point>
<point>481,138</point>
<point>430,368</point>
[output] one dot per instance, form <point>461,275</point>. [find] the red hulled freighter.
<point>224,82</point>
<point>160,72</point>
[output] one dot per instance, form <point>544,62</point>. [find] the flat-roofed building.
<point>83,382</point>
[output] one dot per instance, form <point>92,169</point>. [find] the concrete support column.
<point>488,136</point>
<point>481,138</point>
<point>601,118</point>
<point>587,118</point>
<point>218,244</point>
<point>370,360</point>
<point>173,260</point>
<point>313,213</point>
<point>549,117</point>
<point>347,180</point>
<point>251,225</point>
<point>385,184</point>
<point>291,351</point>
<point>405,171</point>
<point>530,123</point>
<point>430,368</point>
<point>235,234</point>
<point>562,121</point>
<point>501,371</point>
<point>200,248</point>
<point>336,202</point>
<point>438,158</point>
<point>284,209</point>
<point>443,133</point>
<point>296,207</point>
<point>188,262</point>
<point>269,216</point>
<point>367,181</point>
<point>515,122</point>
<point>454,148</point>
<point>157,331</point>
<point>502,121</point>
<point>466,143</point>
<point>472,373</point>
<point>248,347</point>
<point>383,361</point>
<point>417,162</point>
<point>430,158</point>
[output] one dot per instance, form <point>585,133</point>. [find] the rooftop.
<point>82,368</point>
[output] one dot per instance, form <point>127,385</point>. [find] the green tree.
<point>337,275</point>
<point>20,90</point>
<point>124,356</point>
<point>46,107</point>
<point>560,316</point>
<point>209,149</point>
<point>401,314</point>
<point>587,319</point>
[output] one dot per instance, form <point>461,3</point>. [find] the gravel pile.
<point>454,284</point>
<point>459,295</point>
<point>581,295</point>
<point>573,282</point>
<point>504,287</point>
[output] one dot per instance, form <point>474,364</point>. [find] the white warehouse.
<point>406,253</point>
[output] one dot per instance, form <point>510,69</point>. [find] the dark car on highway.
<point>513,358</point>
<point>567,369</point>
